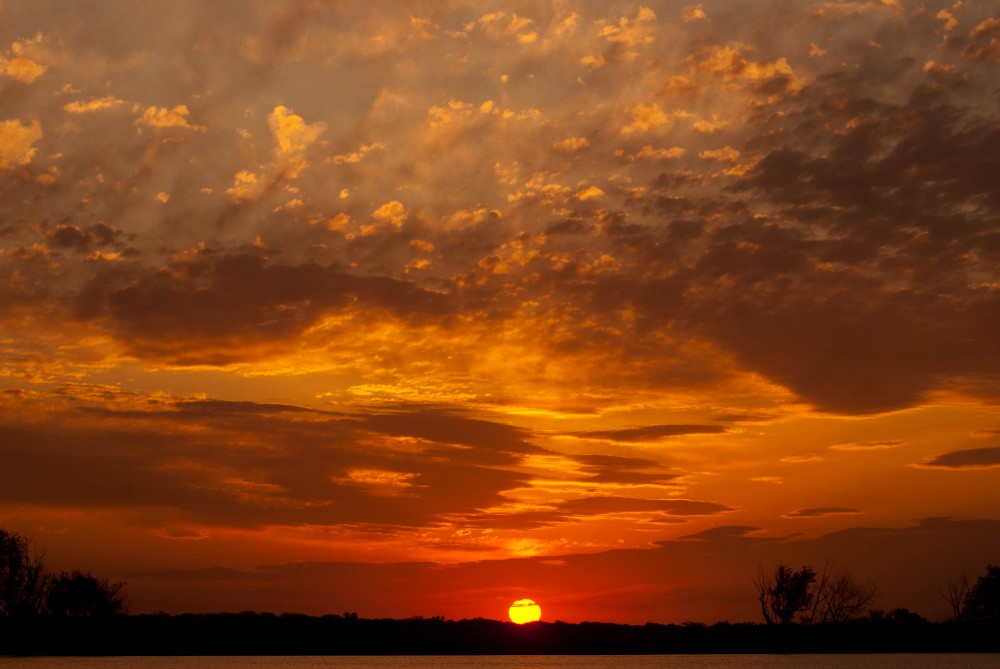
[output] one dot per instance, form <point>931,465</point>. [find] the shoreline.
<point>265,634</point>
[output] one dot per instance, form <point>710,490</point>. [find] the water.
<point>896,661</point>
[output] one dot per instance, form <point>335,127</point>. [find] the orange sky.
<point>421,308</point>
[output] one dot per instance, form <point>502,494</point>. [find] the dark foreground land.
<point>268,634</point>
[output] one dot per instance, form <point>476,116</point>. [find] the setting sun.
<point>524,611</point>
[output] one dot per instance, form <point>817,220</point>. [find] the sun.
<point>524,611</point>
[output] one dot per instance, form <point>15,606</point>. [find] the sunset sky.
<point>423,308</point>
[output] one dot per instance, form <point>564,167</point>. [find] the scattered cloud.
<point>651,432</point>
<point>92,105</point>
<point>820,511</point>
<point>970,458</point>
<point>164,117</point>
<point>17,142</point>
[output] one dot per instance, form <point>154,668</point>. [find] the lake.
<point>886,661</point>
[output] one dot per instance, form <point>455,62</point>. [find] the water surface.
<point>887,661</point>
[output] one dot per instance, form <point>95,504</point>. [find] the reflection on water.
<point>900,661</point>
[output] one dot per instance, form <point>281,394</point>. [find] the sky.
<point>423,308</point>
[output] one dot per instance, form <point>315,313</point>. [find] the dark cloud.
<point>618,469</point>
<point>650,432</point>
<point>243,464</point>
<point>450,429</point>
<point>224,309</point>
<point>723,533</point>
<point>576,510</point>
<point>819,511</point>
<point>971,458</point>
<point>678,507</point>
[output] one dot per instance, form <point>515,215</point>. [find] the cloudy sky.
<point>420,308</point>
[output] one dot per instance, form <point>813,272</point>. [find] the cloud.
<point>292,137</point>
<point>693,13</point>
<point>820,511</point>
<point>676,507</point>
<point>722,533</point>
<point>571,144</point>
<point>16,142</point>
<point>808,241</point>
<point>294,465</point>
<point>22,69</point>
<point>18,65</point>
<point>971,458</point>
<point>163,117</point>
<point>763,77</point>
<point>624,470</point>
<point>646,117</point>
<point>650,432</point>
<point>631,32</point>
<point>985,41</point>
<point>867,445</point>
<point>220,310</point>
<point>688,579</point>
<point>97,104</point>
<point>392,212</point>
<point>726,154</point>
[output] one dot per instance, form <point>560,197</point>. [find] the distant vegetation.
<point>805,611</point>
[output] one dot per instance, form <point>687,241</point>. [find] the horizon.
<point>428,308</point>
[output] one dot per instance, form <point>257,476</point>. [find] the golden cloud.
<point>645,118</point>
<point>94,104</point>
<point>16,141</point>
<point>18,66</point>
<point>162,117</point>
<point>292,136</point>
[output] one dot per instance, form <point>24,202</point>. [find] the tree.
<point>28,589</point>
<point>982,602</point>
<point>784,594</point>
<point>23,579</point>
<point>955,592</point>
<point>79,595</point>
<point>840,598</point>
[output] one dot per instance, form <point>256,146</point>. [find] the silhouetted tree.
<point>80,595</point>
<point>983,599</point>
<point>839,598</point>
<point>28,589</point>
<point>23,578</point>
<point>787,596</point>
<point>955,592</point>
<point>784,594</point>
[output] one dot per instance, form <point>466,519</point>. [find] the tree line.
<point>786,596</point>
<point>807,597</point>
<point>29,590</point>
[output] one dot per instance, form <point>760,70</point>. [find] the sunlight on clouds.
<point>726,154</point>
<point>246,186</point>
<point>16,140</point>
<point>645,118</point>
<point>292,136</point>
<point>693,13</point>
<point>95,104</point>
<point>633,32</point>
<point>449,282</point>
<point>589,193</point>
<point>17,65</point>
<point>356,156</point>
<point>380,482</point>
<point>571,144</point>
<point>162,117</point>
